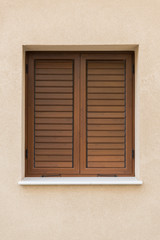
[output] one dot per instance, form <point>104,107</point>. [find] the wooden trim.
<point>83,163</point>
<point>26,117</point>
<point>30,140</point>
<point>133,115</point>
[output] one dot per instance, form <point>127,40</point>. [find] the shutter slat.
<point>106,71</point>
<point>105,77</point>
<point>52,77</point>
<point>54,108</point>
<point>98,96</point>
<point>46,158</point>
<point>105,127</point>
<point>106,115</point>
<point>106,102</point>
<point>44,133</point>
<point>54,102</point>
<point>105,90</point>
<point>53,164</point>
<point>49,139</point>
<point>54,120</point>
<point>53,127</point>
<point>106,139</point>
<point>54,83</point>
<point>105,121</point>
<point>54,96</point>
<point>105,84</point>
<point>53,114</point>
<point>53,64</point>
<point>53,145</point>
<point>60,71</point>
<point>105,146</point>
<point>106,109</point>
<point>105,164</point>
<point>105,152</point>
<point>53,152</point>
<point>105,64</point>
<point>105,158</point>
<point>54,90</point>
<point>106,133</point>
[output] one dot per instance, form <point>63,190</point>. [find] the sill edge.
<point>42,181</point>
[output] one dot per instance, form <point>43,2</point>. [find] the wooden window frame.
<point>79,169</point>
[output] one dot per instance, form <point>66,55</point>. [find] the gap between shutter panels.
<point>54,114</point>
<point>105,114</point>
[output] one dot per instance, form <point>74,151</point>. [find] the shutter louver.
<point>105,114</point>
<point>53,113</point>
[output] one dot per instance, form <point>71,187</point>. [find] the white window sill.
<point>80,181</point>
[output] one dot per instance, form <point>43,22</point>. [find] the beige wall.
<point>80,212</point>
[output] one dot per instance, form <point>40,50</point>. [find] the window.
<point>79,114</point>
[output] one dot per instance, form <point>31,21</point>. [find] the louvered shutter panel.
<point>53,146</point>
<point>53,113</point>
<point>107,82</point>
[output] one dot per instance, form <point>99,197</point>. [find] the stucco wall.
<point>80,212</point>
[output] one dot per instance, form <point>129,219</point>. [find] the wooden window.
<point>79,114</point>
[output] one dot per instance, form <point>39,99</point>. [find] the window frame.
<point>129,57</point>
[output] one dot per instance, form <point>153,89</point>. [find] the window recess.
<point>79,114</point>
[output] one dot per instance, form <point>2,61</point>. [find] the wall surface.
<point>79,212</point>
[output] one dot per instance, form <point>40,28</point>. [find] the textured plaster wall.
<point>79,212</point>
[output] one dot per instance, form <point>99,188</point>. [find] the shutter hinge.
<point>133,68</point>
<point>132,153</point>
<point>26,68</point>
<point>26,153</point>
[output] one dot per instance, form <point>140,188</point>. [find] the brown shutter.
<point>79,114</point>
<point>107,114</point>
<point>53,106</point>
